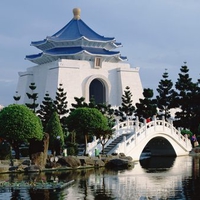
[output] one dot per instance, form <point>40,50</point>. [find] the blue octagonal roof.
<point>76,37</point>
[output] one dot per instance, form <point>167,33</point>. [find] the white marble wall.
<point>76,76</point>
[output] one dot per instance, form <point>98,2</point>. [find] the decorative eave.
<point>76,33</point>
<point>76,53</point>
<point>51,42</point>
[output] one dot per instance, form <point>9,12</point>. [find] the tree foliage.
<point>60,104</point>
<point>54,129</point>
<point>32,96</point>
<point>79,103</point>
<point>85,121</point>
<point>61,101</point>
<point>126,109</point>
<point>19,124</point>
<point>46,110</point>
<point>165,96</point>
<point>147,107</point>
<point>17,97</point>
<point>108,112</point>
<point>185,99</point>
<point>104,136</point>
<point>105,109</point>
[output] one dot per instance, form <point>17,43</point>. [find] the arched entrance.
<point>97,91</point>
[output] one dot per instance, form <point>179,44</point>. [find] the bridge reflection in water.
<point>153,178</point>
<point>157,178</point>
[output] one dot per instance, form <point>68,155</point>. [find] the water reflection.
<point>157,163</point>
<point>155,178</point>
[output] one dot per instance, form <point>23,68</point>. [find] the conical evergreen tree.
<point>165,96</point>
<point>32,96</point>
<point>54,129</point>
<point>196,109</point>
<point>186,91</point>
<point>60,103</point>
<point>46,109</point>
<point>126,109</point>
<point>147,107</point>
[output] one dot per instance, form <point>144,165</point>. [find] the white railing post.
<point>163,121</point>
<point>179,135</point>
<point>127,125</point>
<point>136,124</point>
<point>171,124</point>
<point>124,141</point>
<point>135,138</point>
<point>145,124</point>
<point>117,125</point>
<point>154,120</point>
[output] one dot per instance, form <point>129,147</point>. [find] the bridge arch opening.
<point>158,146</point>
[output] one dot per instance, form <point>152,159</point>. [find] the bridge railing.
<point>139,130</point>
<point>153,127</point>
<point>121,128</point>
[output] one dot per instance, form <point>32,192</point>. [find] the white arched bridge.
<point>132,138</point>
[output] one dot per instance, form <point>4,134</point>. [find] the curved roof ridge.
<point>77,28</point>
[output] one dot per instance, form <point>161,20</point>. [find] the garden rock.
<point>69,161</point>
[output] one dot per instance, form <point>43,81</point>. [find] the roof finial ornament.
<point>77,12</point>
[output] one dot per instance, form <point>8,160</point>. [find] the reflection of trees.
<point>191,187</point>
<point>15,194</point>
<point>89,188</point>
<point>98,184</point>
<point>103,192</point>
<point>83,183</point>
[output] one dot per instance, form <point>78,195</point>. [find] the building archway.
<point>97,91</point>
<point>101,83</point>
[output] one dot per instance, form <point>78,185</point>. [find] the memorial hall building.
<point>85,63</point>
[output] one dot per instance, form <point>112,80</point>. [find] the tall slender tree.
<point>196,110</point>
<point>46,109</point>
<point>127,108</point>
<point>54,129</point>
<point>165,96</point>
<point>186,91</point>
<point>60,103</point>
<point>32,96</point>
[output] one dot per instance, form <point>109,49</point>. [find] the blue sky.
<point>156,34</point>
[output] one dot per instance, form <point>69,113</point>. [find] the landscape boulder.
<point>118,163</point>
<point>69,161</point>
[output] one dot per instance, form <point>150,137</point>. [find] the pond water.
<point>154,178</point>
